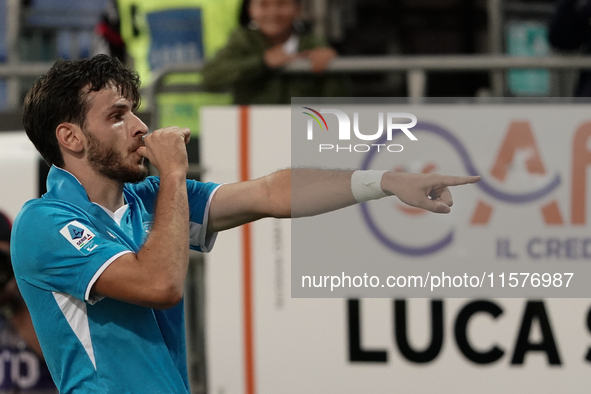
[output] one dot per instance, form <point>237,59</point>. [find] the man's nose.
<point>139,127</point>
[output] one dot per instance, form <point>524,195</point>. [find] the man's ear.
<point>70,137</point>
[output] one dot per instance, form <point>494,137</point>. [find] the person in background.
<point>569,30</point>
<point>22,368</point>
<point>250,64</point>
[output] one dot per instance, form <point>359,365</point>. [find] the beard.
<point>109,163</point>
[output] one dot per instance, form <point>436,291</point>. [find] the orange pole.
<point>247,258</point>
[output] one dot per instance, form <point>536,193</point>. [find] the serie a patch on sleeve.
<point>80,237</point>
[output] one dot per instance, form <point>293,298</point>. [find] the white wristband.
<point>366,185</point>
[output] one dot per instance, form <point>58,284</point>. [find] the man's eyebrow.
<point>119,106</point>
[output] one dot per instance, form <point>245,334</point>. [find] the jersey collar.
<point>63,185</point>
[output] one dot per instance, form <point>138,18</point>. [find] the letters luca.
<point>534,333</point>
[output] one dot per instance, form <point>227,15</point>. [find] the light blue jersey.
<point>60,245</point>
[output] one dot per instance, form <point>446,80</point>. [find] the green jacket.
<point>239,66</point>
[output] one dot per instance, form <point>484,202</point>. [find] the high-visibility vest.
<point>164,32</point>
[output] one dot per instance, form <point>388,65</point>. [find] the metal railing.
<point>23,70</point>
<point>416,68</point>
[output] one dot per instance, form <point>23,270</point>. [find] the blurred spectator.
<point>156,33</point>
<point>22,367</point>
<point>250,64</point>
<point>570,29</point>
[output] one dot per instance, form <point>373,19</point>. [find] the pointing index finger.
<point>460,180</point>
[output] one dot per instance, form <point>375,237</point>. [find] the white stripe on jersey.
<point>74,311</point>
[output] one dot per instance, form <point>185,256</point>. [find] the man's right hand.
<point>154,277</point>
<point>166,150</point>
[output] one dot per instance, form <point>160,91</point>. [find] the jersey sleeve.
<point>200,195</point>
<point>58,249</point>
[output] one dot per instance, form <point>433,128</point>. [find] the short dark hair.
<point>61,96</point>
